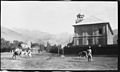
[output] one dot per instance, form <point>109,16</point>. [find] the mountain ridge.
<point>35,36</point>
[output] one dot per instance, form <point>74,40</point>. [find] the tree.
<point>5,45</point>
<point>48,47</point>
<point>2,43</point>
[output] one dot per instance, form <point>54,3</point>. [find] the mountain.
<point>35,36</point>
<point>115,37</point>
<point>11,35</point>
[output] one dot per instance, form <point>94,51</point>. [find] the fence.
<point>96,50</point>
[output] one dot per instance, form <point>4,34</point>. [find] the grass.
<point>47,61</point>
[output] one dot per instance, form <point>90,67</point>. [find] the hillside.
<point>43,37</point>
<point>11,35</point>
<point>35,36</point>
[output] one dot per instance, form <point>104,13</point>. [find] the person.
<point>17,49</point>
<point>89,54</point>
<point>29,53</point>
<point>16,52</point>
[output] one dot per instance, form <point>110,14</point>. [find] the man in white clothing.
<point>89,54</point>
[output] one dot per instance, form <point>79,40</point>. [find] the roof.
<point>91,20</point>
<point>110,29</point>
<point>91,24</point>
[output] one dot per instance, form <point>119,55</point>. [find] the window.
<point>101,41</point>
<point>80,41</point>
<point>90,41</point>
<point>100,31</point>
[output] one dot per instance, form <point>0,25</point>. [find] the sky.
<point>54,16</point>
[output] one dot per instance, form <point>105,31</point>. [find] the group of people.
<point>22,50</point>
<point>25,49</point>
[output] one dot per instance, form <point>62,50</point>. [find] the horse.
<point>86,54</point>
<point>83,54</point>
<point>16,52</point>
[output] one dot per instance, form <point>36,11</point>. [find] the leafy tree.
<point>6,46</point>
<point>16,43</point>
<point>48,47</point>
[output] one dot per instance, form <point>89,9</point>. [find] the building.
<point>92,31</point>
<point>35,49</point>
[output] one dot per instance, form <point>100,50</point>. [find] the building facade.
<point>95,33</point>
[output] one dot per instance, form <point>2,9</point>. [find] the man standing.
<point>89,54</point>
<point>29,48</point>
<point>29,53</point>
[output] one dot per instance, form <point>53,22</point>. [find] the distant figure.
<point>89,54</point>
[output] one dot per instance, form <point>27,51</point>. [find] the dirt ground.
<point>48,61</point>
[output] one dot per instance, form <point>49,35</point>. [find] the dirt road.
<point>47,61</point>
